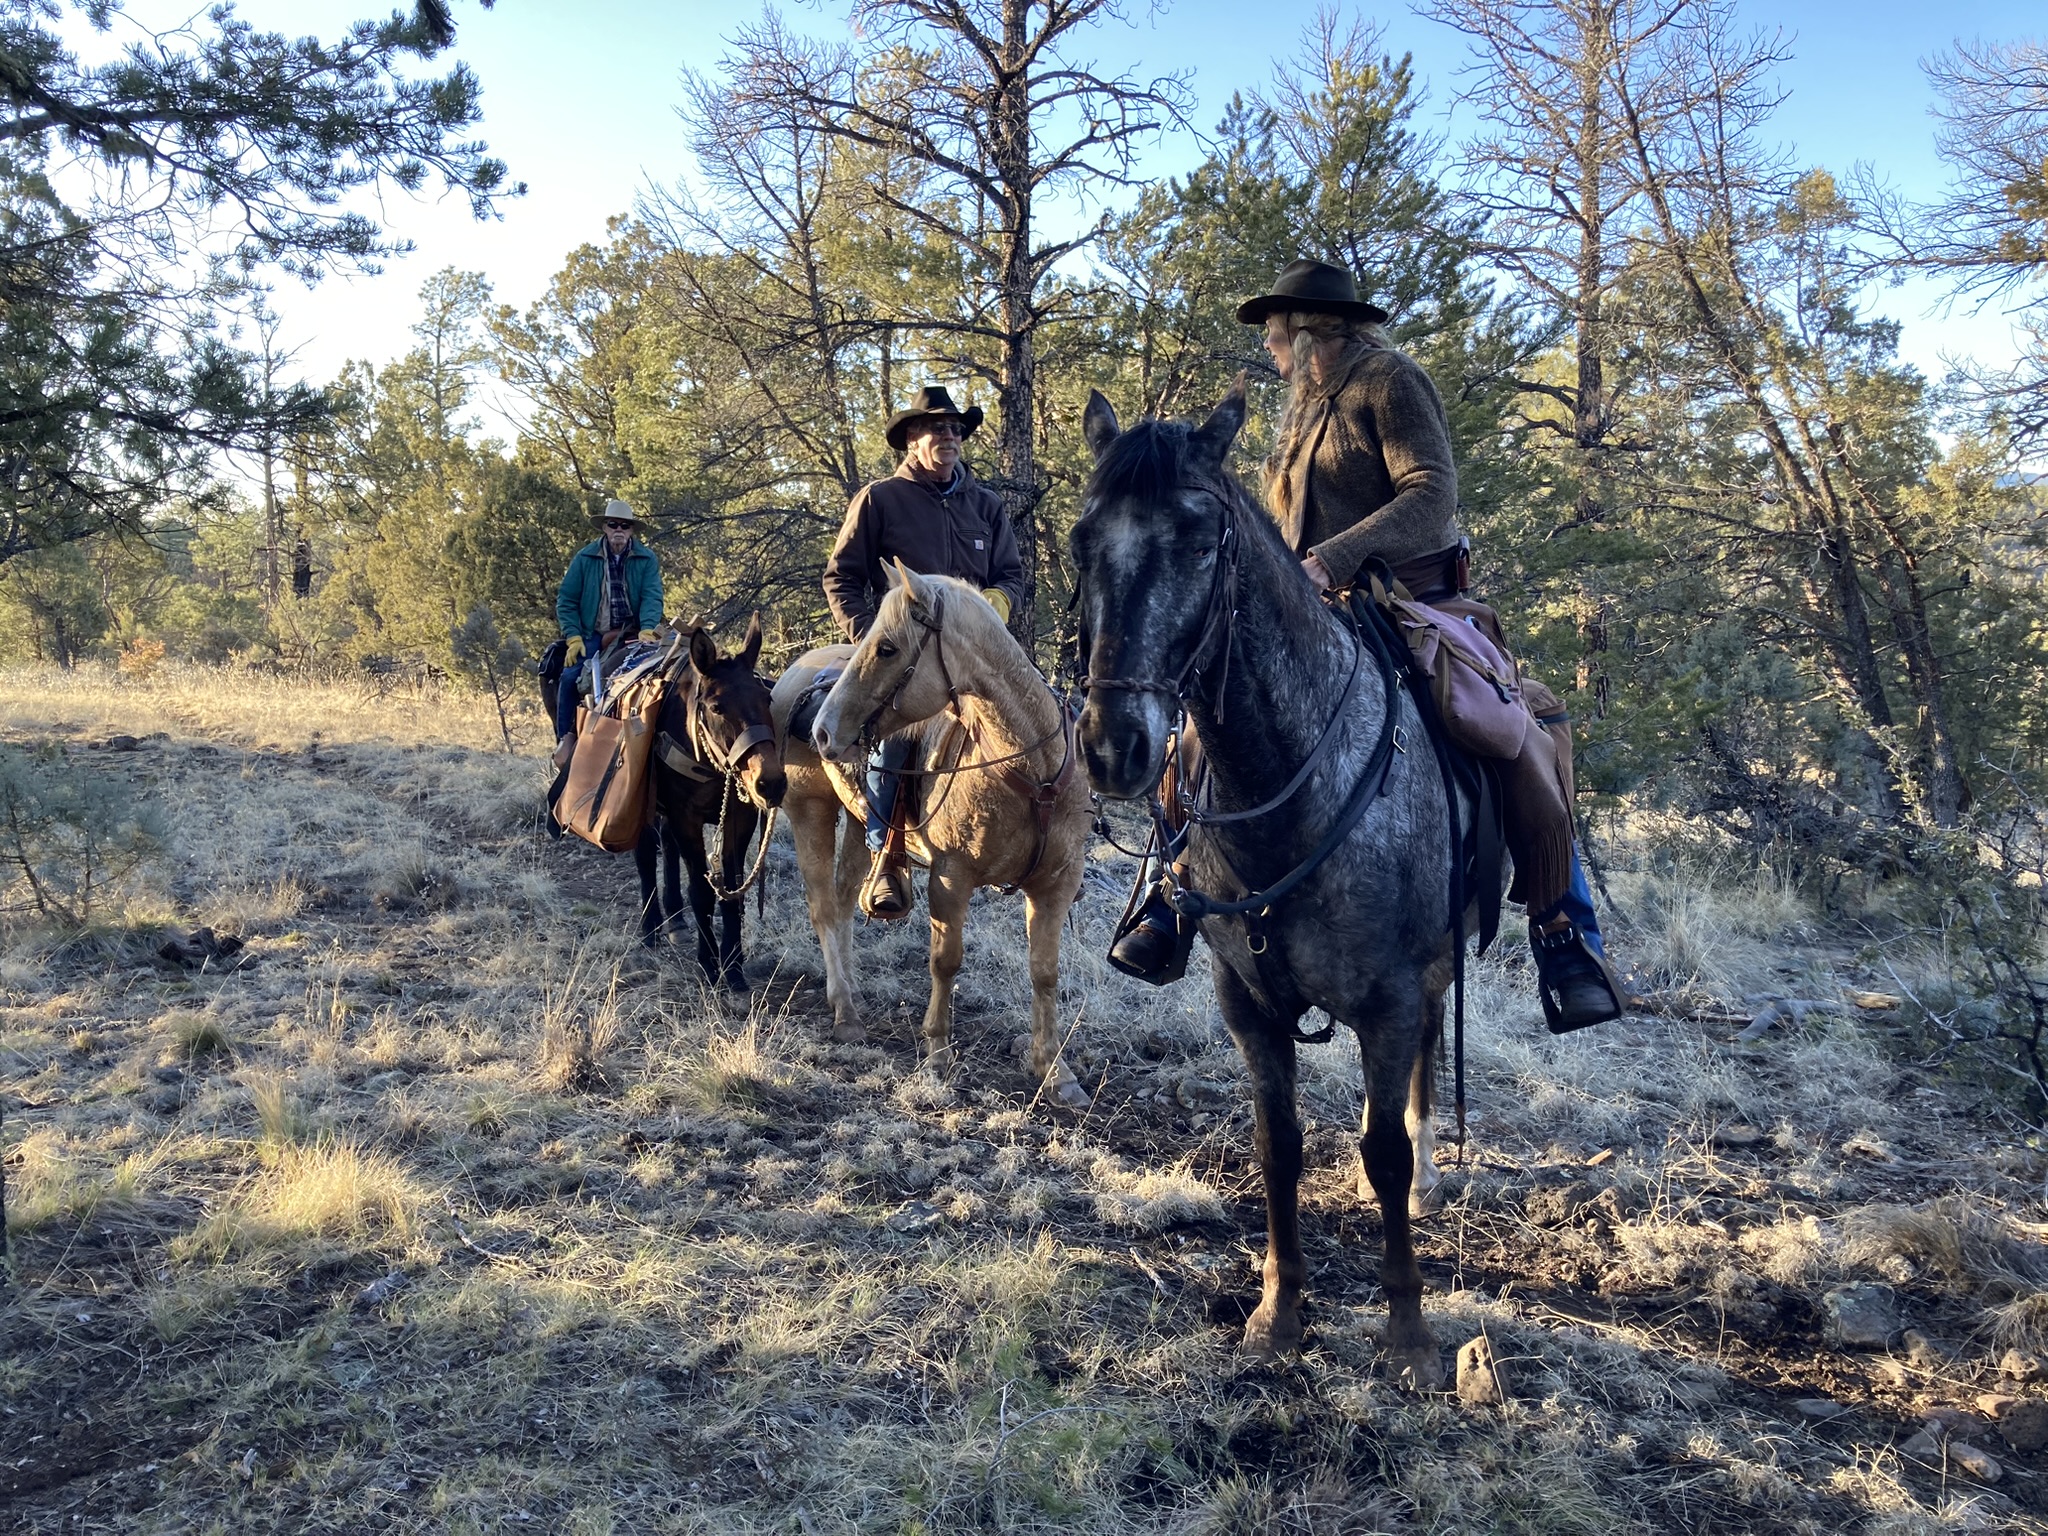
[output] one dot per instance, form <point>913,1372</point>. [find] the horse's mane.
<point>1147,463</point>
<point>1143,463</point>
<point>948,584</point>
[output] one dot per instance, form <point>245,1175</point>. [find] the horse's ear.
<point>1098,423</point>
<point>703,650</point>
<point>894,572</point>
<point>923,596</point>
<point>1212,442</point>
<point>750,649</point>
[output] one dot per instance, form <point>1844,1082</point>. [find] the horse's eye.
<point>884,649</point>
<point>1204,555</point>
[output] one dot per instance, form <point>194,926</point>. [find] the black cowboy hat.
<point>928,402</point>
<point>1315,286</point>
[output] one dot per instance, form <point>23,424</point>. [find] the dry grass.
<point>458,1211</point>
<point>198,1037</point>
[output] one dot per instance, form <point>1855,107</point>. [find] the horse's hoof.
<point>1068,1091</point>
<point>849,1032</point>
<point>1419,1369</point>
<point>736,981</point>
<point>1269,1334</point>
<point>941,1062</point>
<point>1426,1200</point>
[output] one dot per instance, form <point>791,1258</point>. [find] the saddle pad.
<point>625,667</point>
<point>804,713</point>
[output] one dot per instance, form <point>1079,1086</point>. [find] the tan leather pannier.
<point>608,797</point>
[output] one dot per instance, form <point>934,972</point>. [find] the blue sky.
<point>583,109</point>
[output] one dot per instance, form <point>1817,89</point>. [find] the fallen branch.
<point>1690,1007</point>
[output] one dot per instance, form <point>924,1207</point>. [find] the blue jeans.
<point>1576,904</point>
<point>566,700</point>
<point>883,788</point>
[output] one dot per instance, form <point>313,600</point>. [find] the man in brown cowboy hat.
<point>1362,470</point>
<point>934,517</point>
<point>613,586</point>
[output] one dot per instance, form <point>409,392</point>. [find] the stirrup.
<point>1153,943</point>
<point>1577,985</point>
<point>887,895</point>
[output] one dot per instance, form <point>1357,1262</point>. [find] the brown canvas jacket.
<point>961,532</point>
<point>1380,479</point>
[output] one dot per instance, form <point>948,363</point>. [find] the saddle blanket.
<point>622,668</point>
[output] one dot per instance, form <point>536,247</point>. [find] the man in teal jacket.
<point>613,586</point>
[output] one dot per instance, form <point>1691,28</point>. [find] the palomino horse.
<point>1004,803</point>
<point>1320,867</point>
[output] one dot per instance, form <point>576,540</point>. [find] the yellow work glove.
<point>999,600</point>
<point>647,636</point>
<point>574,653</point>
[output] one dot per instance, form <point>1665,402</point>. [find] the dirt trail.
<point>457,1210</point>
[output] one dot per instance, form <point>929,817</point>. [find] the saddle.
<point>803,714</point>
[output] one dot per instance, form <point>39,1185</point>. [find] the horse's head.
<point>1152,555</point>
<point>898,674</point>
<point>731,725</point>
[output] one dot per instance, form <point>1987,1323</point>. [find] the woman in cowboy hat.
<point>934,517</point>
<point>613,585</point>
<point>1362,469</point>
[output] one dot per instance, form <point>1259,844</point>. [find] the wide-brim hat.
<point>1314,286</point>
<point>616,511</point>
<point>929,402</point>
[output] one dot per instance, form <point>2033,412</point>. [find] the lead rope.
<point>760,858</point>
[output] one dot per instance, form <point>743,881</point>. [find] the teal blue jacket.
<point>580,605</point>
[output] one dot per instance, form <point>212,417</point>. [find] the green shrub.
<point>69,837</point>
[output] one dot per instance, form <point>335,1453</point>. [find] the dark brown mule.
<point>1320,866</point>
<point>715,763</point>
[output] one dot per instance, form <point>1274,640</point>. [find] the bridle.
<point>727,760</point>
<point>1219,616</point>
<point>704,758</point>
<point>930,630</point>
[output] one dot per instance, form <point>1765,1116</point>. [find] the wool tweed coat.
<point>1373,473</point>
<point>959,530</point>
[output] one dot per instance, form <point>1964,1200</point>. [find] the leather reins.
<point>1220,617</point>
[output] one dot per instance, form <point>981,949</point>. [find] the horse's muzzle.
<point>763,781</point>
<point>1123,746</point>
<point>827,746</point>
<point>826,735</point>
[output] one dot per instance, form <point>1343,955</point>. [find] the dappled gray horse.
<point>1331,887</point>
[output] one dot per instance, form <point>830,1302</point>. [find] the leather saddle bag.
<point>609,791</point>
<point>1476,685</point>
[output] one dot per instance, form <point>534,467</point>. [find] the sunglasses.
<point>614,524</point>
<point>943,429</point>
